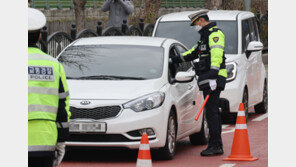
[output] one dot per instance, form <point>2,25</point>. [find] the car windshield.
<point>181,31</point>
<point>112,62</point>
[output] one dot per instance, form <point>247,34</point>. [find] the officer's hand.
<point>60,148</point>
<point>170,60</point>
<point>213,84</point>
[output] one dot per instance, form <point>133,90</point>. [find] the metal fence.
<point>60,4</point>
<point>56,42</point>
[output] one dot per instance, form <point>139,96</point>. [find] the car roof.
<point>213,15</point>
<point>121,40</point>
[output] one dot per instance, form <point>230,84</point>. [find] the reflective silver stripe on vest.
<point>204,55</point>
<point>217,46</point>
<point>215,68</point>
<point>43,90</point>
<point>39,56</point>
<point>203,82</point>
<point>43,108</point>
<point>41,148</point>
<point>64,124</point>
<point>64,95</point>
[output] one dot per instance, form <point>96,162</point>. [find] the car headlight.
<point>146,102</point>
<point>231,71</point>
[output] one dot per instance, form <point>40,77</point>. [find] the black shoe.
<point>212,151</point>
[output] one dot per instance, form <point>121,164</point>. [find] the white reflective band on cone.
<point>241,126</point>
<point>144,147</point>
<point>241,113</point>
<point>144,163</point>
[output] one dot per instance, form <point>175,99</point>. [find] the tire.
<point>262,107</point>
<point>202,137</point>
<point>230,118</point>
<point>169,150</point>
<point>246,103</point>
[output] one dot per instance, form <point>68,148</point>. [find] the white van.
<point>246,80</point>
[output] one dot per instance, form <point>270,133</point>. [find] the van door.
<point>251,60</point>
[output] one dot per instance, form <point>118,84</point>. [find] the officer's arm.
<point>187,56</point>
<point>64,114</point>
<point>216,44</point>
<point>106,6</point>
<point>127,6</point>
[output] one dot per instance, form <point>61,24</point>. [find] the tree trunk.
<point>79,7</point>
<point>151,10</point>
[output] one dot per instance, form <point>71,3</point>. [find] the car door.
<point>251,60</point>
<point>193,97</point>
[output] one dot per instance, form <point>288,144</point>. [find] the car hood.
<point>111,90</point>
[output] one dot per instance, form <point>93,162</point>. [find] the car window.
<point>185,65</point>
<point>187,35</point>
<point>245,35</point>
<point>173,67</point>
<point>118,61</point>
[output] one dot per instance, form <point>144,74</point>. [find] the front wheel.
<point>169,150</point>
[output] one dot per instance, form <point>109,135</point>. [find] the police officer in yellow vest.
<point>48,101</point>
<point>211,71</point>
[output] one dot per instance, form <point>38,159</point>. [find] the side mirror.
<point>185,76</point>
<point>255,46</point>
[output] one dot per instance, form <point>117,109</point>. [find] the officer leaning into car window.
<point>48,101</point>
<point>211,71</point>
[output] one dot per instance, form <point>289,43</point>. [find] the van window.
<point>256,29</point>
<point>246,38</point>
<point>252,29</point>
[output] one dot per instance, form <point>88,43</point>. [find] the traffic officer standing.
<point>48,101</point>
<point>211,71</point>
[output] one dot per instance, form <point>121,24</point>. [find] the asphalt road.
<point>187,155</point>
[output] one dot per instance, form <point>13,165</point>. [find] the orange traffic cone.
<point>240,147</point>
<point>144,156</point>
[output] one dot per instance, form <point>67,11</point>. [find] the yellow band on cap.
<point>194,19</point>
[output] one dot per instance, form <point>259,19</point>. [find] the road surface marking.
<point>261,117</point>
<point>227,165</point>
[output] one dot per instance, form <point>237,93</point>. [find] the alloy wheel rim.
<point>171,135</point>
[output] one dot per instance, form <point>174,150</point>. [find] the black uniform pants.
<point>213,117</point>
<point>45,161</point>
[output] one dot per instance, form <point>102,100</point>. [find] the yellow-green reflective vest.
<point>46,77</point>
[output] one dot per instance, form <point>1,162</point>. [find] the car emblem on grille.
<point>85,102</point>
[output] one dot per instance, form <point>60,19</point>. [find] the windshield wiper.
<point>107,77</point>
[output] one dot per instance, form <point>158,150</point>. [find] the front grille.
<point>95,113</point>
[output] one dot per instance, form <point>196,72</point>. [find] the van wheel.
<point>202,137</point>
<point>246,103</point>
<point>262,107</point>
<point>169,150</point>
<point>230,118</point>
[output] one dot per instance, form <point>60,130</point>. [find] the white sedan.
<point>121,87</point>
